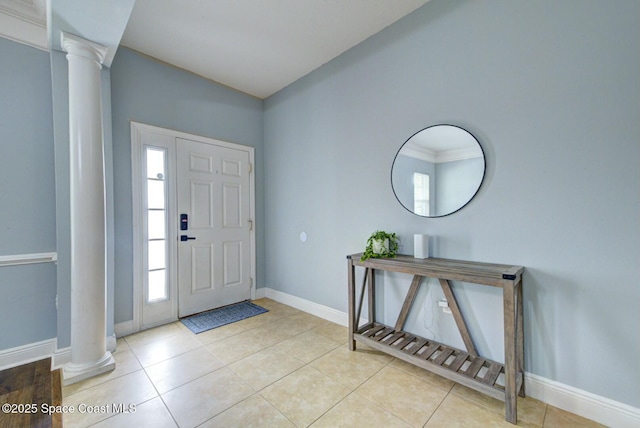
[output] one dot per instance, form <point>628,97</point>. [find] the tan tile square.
<point>304,395</point>
<point>163,349</point>
<point>561,419</point>
<point>266,366</point>
<point>356,411</point>
<point>333,331</point>
<point>150,414</point>
<point>423,374</point>
<point>133,388</point>
<point>529,410</point>
<point>295,324</point>
<point>241,345</point>
<point>262,319</point>
<point>153,334</point>
<point>199,400</point>
<point>184,368</point>
<point>253,412</point>
<point>406,396</point>
<point>456,412</point>
<point>126,362</point>
<point>308,346</point>
<point>220,333</point>
<point>350,368</point>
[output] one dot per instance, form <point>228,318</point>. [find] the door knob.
<point>186,238</point>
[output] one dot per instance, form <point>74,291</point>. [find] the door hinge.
<point>250,167</point>
<point>250,282</point>
<point>250,224</point>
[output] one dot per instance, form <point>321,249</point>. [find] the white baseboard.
<point>582,403</point>
<point>123,328</point>
<point>40,350</point>
<point>260,293</point>
<point>60,358</point>
<point>19,355</point>
<point>591,406</point>
<point>111,343</point>
<point>308,306</point>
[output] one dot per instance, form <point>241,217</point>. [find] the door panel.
<point>231,212</point>
<point>201,194</point>
<point>232,263</point>
<point>202,268</point>
<point>213,190</point>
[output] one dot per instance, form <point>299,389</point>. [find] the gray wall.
<point>27,195</point>
<point>147,91</point>
<point>550,89</point>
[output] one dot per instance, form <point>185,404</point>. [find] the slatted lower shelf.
<point>472,371</point>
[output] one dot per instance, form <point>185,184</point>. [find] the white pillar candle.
<point>420,246</point>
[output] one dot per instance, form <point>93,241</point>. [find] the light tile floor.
<point>284,368</point>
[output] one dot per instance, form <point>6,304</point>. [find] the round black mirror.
<point>438,170</point>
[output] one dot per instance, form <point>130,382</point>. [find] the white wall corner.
<point>582,403</point>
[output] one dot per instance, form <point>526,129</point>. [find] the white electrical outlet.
<point>444,305</point>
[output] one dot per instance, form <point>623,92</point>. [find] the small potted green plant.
<point>380,244</point>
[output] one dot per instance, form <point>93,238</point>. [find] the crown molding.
<point>458,154</point>
<point>33,11</point>
<point>417,151</point>
<point>24,21</point>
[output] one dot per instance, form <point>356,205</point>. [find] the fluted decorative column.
<point>89,355</point>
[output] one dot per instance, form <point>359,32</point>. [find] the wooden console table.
<point>465,367</point>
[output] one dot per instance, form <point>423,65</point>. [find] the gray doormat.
<point>215,318</point>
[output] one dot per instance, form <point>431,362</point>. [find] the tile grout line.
<point>353,391</point>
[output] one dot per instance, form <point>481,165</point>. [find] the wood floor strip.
<point>34,385</point>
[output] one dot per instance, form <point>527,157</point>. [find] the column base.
<point>73,373</point>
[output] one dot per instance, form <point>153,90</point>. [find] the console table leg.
<point>520,335</point>
<point>371,282</point>
<point>352,303</point>
<point>510,361</point>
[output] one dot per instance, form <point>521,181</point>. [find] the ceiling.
<point>256,46</point>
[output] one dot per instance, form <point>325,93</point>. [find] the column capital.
<point>75,45</point>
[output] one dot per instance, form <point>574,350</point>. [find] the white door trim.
<point>136,174</point>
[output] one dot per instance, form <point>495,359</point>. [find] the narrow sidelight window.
<point>156,219</point>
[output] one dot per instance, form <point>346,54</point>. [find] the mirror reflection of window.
<point>421,193</point>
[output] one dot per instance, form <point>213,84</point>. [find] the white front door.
<point>214,255</point>
<point>209,181</point>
